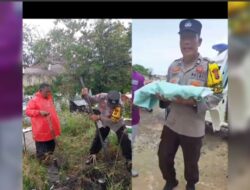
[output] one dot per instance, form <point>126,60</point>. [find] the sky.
<point>45,25</point>
<point>155,42</point>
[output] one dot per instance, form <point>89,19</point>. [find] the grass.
<point>74,143</point>
<point>127,110</point>
<point>34,174</point>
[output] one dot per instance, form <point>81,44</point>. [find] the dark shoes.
<point>170,186</point>
<point>190,187</point>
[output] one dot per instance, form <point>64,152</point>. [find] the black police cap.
<point>114,97</point>
<point>190,25</point>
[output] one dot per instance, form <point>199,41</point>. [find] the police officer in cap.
<point>110,117</point>
<point>185,121</point>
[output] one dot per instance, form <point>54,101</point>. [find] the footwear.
<point>171,186</point>
<point>91,159</point>
<point>190,187</point>
<point>134,173</point>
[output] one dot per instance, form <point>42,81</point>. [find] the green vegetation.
<point>34,174</point>
<point>141,69</point>
<point>71,152</point>
<point>100,54</point>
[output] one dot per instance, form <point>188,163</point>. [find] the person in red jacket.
<point>44,120</point>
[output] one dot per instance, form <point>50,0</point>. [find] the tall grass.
<point>73,148</point>
<point>34,174</point>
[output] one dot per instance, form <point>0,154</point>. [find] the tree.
<point>141,69</point>
<point>30,35</point>
<point>112,42</point>
<point>98,51</point>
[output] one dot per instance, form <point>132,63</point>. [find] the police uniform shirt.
<point>189,120</point>
<point>102,99</point>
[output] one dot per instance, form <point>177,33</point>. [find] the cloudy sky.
<point>45,25</point>
<point>155,42</point>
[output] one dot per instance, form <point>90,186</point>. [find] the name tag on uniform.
<point>193,75</point>
<point>202,77</point>
<point>199,74</point>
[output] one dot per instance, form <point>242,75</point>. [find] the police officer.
<point>185,122</point>
<point>110,108</point>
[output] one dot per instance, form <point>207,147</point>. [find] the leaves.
<point>97,50</point>
<point>142,70</point>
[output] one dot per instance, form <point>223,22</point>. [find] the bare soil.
<point>212,164</point>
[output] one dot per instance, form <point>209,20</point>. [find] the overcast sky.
<point>45,25</point>
<point>155,42</point>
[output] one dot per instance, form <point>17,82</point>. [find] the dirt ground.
<point>212,164</point>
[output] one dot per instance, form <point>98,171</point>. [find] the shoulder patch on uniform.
<point>176,62</point>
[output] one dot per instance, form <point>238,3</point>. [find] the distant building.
<point>38,73</point>
<point>156,77</point>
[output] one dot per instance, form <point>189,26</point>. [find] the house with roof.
<point>39,73</point>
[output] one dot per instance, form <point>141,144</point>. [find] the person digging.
<point>110,117</point>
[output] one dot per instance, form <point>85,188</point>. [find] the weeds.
<point>34,174</point>
<point>75,141</point>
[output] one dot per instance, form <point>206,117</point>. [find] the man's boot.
<point>190,187</point>
<point>171,185</point>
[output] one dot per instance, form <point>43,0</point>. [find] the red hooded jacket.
<point>42,125</point>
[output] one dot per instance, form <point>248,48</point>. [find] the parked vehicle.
<point>217,118</point>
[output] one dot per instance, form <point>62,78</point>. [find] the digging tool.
<point>96,125</point>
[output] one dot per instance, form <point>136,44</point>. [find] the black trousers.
<point>123,140</point>
<point>168,147</point>
<point>43,148</point>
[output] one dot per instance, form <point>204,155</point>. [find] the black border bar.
<point>125,9</point>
